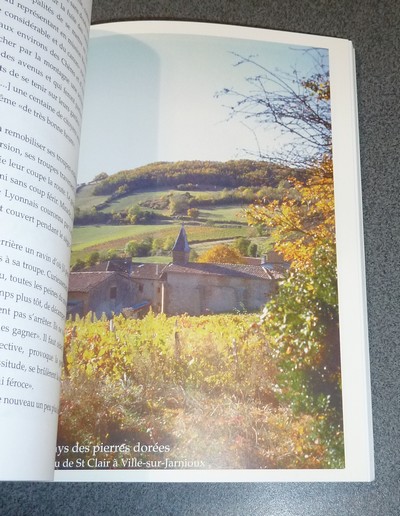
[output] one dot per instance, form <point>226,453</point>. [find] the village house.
<point>179,287</point>
<point>101,292</point>
<point>206,288</point>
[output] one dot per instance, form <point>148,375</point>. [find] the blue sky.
<point>151,97</point>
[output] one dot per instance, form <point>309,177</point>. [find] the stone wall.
<point>202,294</point>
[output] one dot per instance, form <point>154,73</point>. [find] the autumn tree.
<point>179,203</point>
<point>100,177</point>
<point>302,319</point>
<point>193,213</point>
<point>221,253</point>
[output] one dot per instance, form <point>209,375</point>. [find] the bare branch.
<point>298,107</point>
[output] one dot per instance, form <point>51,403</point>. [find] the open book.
<point>205,318</point>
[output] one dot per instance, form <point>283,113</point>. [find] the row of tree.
<point>204,175</point>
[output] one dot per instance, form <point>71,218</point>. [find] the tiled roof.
<point>147,270</point>
<point>120,264</point>
<point>225,269</point>
<point>115,264</point>
<point>85,281</point>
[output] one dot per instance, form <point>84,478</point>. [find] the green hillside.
<point>149,203</point>
<point>230,174</point>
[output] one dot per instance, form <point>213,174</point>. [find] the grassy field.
<point>224,214</point>
<point>87,239</point>
<point>232,213</point>
<point>224,224</point>
<point>133,200</point>
<point>85,200</point>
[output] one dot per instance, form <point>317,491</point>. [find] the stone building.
<point>101,292</point>
<point>148,278</point>
<point>177,288</point>
<point>204,288</point>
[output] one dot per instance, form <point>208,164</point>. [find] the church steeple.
<point>181,249</point>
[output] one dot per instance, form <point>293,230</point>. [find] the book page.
<point>216,306</point>
<point>43,59</point>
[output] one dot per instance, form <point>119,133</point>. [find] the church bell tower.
<point>181,249</point>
